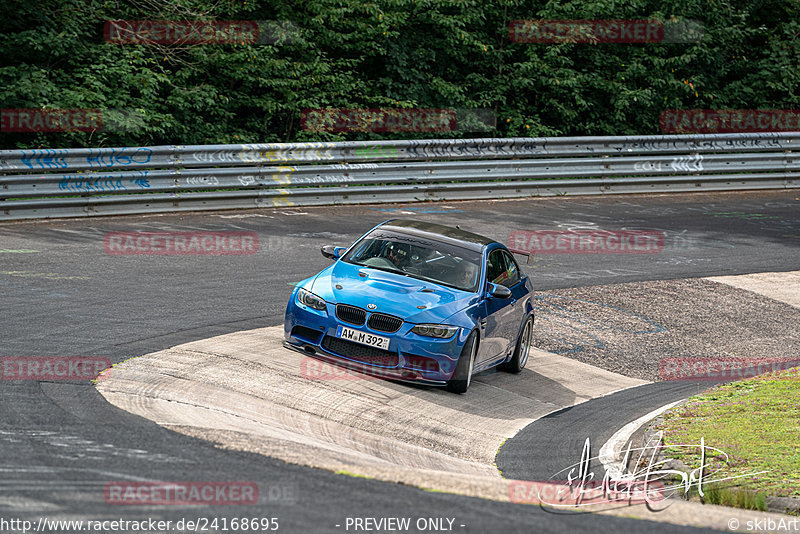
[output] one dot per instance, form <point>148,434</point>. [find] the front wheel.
<point>520,357</point>
<point>466,362</point>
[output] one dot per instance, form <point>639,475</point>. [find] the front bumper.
<point>410,357</point>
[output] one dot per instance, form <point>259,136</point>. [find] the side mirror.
<point>497,291</point>
<point>332,252</point>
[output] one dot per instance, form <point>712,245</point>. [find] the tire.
<point>462,377</point>
<point>522,349</point>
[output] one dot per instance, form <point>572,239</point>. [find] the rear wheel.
<point>466,363</point>
<point>520,357</point>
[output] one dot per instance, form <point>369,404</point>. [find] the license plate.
<point>363,337</point>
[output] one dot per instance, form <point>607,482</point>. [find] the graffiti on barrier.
<point>45,159</point>
<point>201,180</point>
<point>658,143</point>
<point>112,157</point>
<point>92,183</point>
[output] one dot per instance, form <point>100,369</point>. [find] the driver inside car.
<point>397,253</point>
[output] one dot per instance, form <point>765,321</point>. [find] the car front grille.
<point>351,314</point>
<point>359,352</point>
<point>384,323</point>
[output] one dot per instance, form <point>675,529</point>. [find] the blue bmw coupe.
<point>416,301</point>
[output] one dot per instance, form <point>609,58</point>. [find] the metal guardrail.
<point>111,181</point>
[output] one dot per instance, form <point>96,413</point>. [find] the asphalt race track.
<point>64,295</point>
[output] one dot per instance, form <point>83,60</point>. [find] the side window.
<point>512,270</point>
<point>496,267</point>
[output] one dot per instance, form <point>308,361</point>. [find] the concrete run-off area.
<point>245,391</point>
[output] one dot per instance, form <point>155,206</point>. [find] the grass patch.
<point>756,422</point>
<point>735,497</point>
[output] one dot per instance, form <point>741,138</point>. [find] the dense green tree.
<point>386,54</point>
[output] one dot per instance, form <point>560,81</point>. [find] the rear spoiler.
<point>526,253</point>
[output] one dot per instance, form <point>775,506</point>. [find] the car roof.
<point>439,232</point>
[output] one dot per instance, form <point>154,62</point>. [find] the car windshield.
<point>417,257</point>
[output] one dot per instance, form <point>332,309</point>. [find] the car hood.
<point>414,300</point>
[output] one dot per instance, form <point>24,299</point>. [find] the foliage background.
<point>390,53</point>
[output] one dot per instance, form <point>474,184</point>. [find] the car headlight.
<point>310,299</point>
<point>435,330</point>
